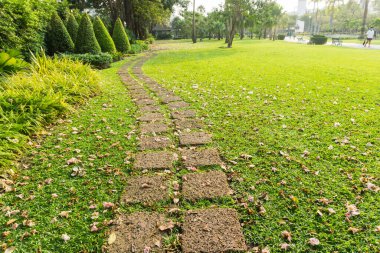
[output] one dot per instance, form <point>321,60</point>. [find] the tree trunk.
<point>193,31</point>
<point>365,14</point>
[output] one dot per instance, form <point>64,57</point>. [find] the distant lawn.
<point>308,116</point>
<point>374,42</point>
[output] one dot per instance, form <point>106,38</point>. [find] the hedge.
<point>86,41</point>
<point>318,40</point>
<point>99,61</point>
<point>72,27</point>
<point>120,37</point>
<point>103,37</point>
<point>58,39</point>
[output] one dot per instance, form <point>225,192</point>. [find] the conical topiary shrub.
<point>86,41</point>
<point>103,37</point>
<point>120,37</point>
<point>72,27</point>
<point>58,39</point>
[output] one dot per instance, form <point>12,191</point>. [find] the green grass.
<point>99,134</point>
<point>374,42</point>
<point>308,116</point>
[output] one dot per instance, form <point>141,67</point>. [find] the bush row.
<point>30,100</point>
<point>99,61</point>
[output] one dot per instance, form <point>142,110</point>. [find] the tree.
<point>72,27</point>
<point>234,10</point>
<point>86,41</point>
<point>120,37</point>
<point>365,15</point>
<point>58,39</point>
<point>193,36</point>
<point>103,37</point>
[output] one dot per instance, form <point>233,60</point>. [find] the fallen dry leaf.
<point>108,204</point>
<point>112,238</point>
<point>314,241</point>
<point>286,235</point>
<point>65,237</point>
<point>285,246</point>
<point>353,230</point>
<point>64,214</point>
<point>10,250</point>
<point>166,226</point>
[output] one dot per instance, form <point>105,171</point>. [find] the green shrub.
<point>103,37</point>
<point>100,61</point>
<point>23,24</point>
<point>30,100</point>
<point>11,61</point>
<point>281,37</point>
<point>318,40</point>
<point>58,39</point>
<point>117,56</point>
<point>120,37</point>
<point>150,39</point>
<point>86,41</point>
<point>135,49</point>
<point>72,27</point>
<point>144,45</point>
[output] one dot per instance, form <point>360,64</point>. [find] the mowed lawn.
<point>299,127</point>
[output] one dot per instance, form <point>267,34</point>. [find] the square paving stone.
<point>138,232</point>
<point>203,157</point>
<point>154,127</point>
<point>155,160</point>
<point>183,114</point>
<point>145,102</point>
<point>182,124</point>
<point>154,142</point>
<point>206,185</point>
<point>178,105</point>
<point>146,190</point>
<point>140,96</point>
<point>152,116</point>
<point>195,138</point>
<point>149,108</point>
<point>212,230</point>
<point>169,99</point>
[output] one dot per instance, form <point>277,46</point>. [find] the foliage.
<point>47,168</point>
<point>120,37</point>
<point>150,39</point>
<point>30,100</point>
<point>300,127</point>
<point>23,24</point>
<point>11,61</point>
<point>58,39</point>
<point>318,39</point>
<point>103,37</point>
<point>100,61</point>
<point>280,37</point>
<point>86,41</point>
<point>72,27</point>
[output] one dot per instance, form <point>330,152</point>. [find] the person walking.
<point>370,35</point>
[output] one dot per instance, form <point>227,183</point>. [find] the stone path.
<point>172,138</point>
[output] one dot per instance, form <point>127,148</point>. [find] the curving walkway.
<point>171,139</point>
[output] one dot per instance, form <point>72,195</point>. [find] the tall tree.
<point>193,35</point>
<point>234,10</point>
<point>365,15</point>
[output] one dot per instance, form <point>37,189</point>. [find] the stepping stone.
<point>152,116</point>
<point>145,102</point>
<point>178,105</point>
<point>140,96</point>
<point>205,185</point>
<point>188,124</point>
<point>212,230</point>
<point>169,99</point>
<point>154,127</point>
<point>138,232</point>
<point>155,160</point>
<point>150,108</point>
<point>183,114</point>
<point>203,157</point>
<point>197,138</point>
<point>154,142</point>
<point>146,190</point>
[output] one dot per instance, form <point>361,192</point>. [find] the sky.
<point>289,5</point>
